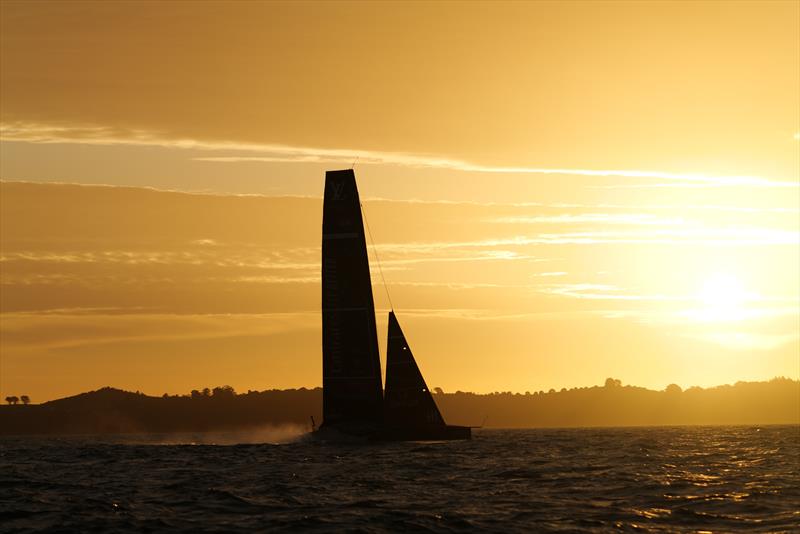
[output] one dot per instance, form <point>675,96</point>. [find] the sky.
<point>558,192</point>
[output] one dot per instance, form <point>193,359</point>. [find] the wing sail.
<point>351,368</point>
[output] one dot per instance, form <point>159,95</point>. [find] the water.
<point>650,479</point>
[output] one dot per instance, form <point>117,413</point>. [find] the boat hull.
<point>426,433</point>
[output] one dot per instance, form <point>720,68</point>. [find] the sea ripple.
<point>662,479</point>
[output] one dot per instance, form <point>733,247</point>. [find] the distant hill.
<point>774,402</point>
<point>111,410</point>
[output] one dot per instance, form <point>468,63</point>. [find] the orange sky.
<point>559,191</point>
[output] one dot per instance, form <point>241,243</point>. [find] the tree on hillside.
<point>673,389</point>
<point>12,400</point>
<point>25,399</point>
<point>223,391</point>
<point>613,383</point>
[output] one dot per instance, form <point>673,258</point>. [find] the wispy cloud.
<point>592,206</point>
<point>601,292</point>
<point>747,341</point>
<point>604,218</point>
<point>26,330</point>
<point>736,236</point>
<point>270,153</point>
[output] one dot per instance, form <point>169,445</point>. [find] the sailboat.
<point>354,404</point>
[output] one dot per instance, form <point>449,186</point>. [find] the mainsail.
<point>408,402</point>
<point>351,368</point>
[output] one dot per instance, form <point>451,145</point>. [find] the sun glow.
<point>722,297</point>
<point>722,291</point>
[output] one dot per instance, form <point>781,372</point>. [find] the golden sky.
<point>558,191</point>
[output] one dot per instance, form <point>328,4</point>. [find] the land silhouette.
<point>110,410</point>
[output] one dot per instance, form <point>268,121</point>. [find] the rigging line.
<point>377,259</point>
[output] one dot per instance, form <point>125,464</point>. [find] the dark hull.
<point>426,433</point>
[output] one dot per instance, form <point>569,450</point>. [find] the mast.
<point>351,369</point>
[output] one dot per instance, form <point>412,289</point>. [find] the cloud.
<point>592,206</point>
<point>207,242</point>
<point>195,263</point>
<point>746,341</point>
<point>594,291</point>
<point>604,218</point>
<point>601,292</point>
<point>747,236</point>
<point>83,327</point>
<point>741,313</point>
<point>271,153</point>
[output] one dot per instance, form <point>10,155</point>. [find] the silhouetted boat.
<point>353,402</point>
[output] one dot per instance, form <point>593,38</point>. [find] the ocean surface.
<point>718,479</point>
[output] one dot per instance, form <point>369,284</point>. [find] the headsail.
<point>408,401</point>
<point>351,369</point>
